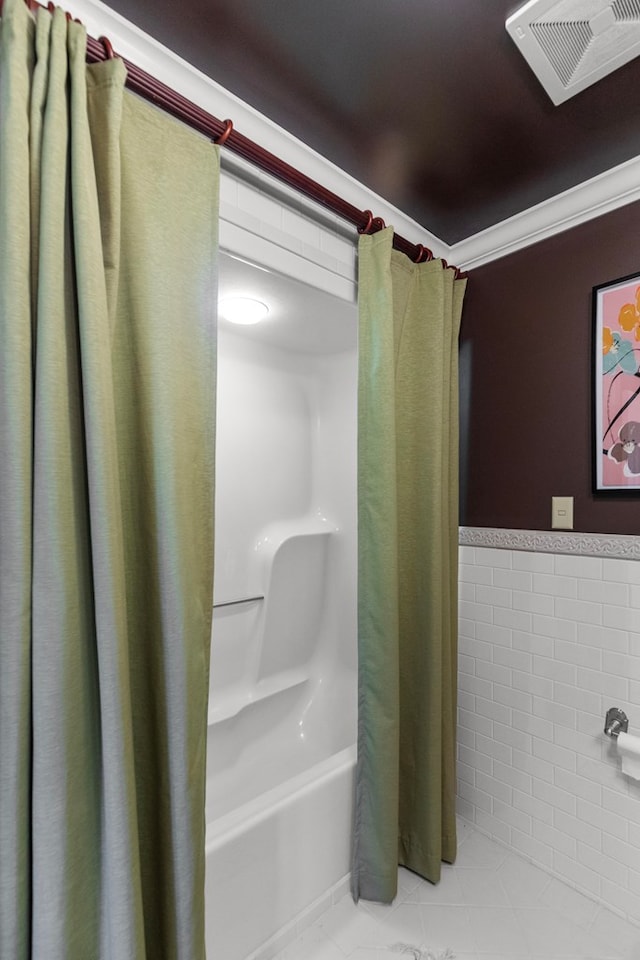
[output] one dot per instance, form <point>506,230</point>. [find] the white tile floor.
<point>491,905</point>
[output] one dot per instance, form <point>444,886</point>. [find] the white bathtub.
<point>282,710</point>
<point>276,862</point>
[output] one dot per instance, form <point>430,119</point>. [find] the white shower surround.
<point>282,713</point>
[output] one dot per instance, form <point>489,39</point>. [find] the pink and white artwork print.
<point>617,385</point>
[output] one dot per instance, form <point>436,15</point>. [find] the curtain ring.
<point>377,224</point>
<point>108,49</point>
<point>367,227</point>
<point>226,133</point>
<point>424,254</point>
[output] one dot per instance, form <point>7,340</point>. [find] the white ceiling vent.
<point>569,44</point>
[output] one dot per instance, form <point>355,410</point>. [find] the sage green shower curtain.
<point>108,220</point>
<point>407,567</point>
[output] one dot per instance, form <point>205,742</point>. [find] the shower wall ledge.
<point>611,546</point>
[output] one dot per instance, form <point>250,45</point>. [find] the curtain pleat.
<point>16,443</point>
<point>108,225</point>
<point>407,567</point>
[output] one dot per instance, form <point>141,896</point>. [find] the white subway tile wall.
<point>547,643</point>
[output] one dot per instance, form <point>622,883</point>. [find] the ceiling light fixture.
<point>243,310</point>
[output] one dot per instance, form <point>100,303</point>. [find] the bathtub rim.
<point>233,824</point>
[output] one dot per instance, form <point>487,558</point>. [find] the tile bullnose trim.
<point>616,546</point>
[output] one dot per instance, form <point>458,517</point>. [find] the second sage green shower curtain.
<point>407,567</point>
<point>108,220</point>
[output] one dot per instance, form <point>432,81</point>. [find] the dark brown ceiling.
<point>428,102</point>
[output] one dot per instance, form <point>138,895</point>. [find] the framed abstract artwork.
<point>616,400</point>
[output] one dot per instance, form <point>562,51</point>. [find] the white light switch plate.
<point>562,513</point>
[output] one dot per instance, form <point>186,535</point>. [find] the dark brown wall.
<point>525,370</point>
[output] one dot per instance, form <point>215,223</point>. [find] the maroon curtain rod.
<point>223,132</point>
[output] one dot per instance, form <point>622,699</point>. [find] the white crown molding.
<point>611,546</point>
<point>140,48</point>
<point>593,198</point>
